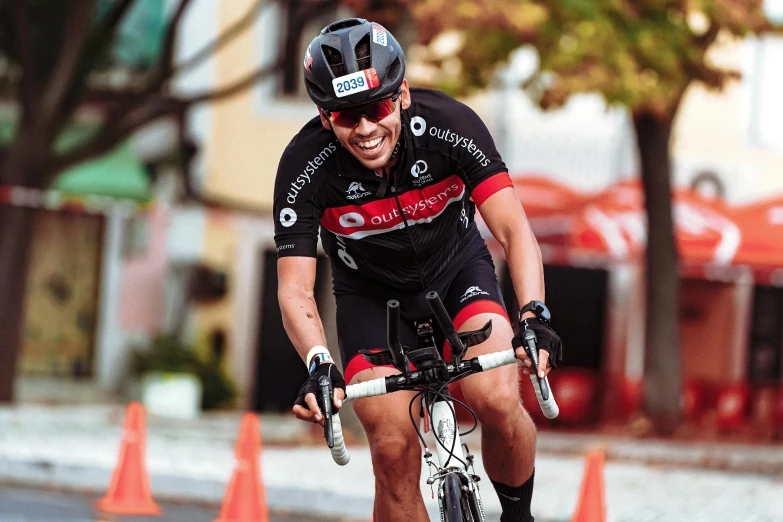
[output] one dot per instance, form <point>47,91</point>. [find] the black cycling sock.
<point>515,501</point>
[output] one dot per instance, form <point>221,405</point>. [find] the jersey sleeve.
<point>296,222</point>
<point>479,159</point>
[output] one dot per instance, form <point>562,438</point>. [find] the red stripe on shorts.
<point>485,306</point>
<point>358,363</point>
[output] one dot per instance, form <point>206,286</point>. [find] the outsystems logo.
<point>419,128</point>
<point>306,176</point>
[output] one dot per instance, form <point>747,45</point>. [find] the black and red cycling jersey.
<point>447,158</point>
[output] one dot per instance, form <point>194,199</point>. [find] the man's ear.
<point>324,120</point>
<point>405,95</point>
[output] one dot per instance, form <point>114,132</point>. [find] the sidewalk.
<point>76,447</point>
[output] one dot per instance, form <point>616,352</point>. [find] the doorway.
<point>279,369</point>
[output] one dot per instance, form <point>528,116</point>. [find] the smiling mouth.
<point>371,146</point>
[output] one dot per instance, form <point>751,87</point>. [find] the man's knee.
<point>497,407</point>
<point>395,451</point>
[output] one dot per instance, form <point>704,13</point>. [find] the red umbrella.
<point>613,227</point>
<point>761,246</point>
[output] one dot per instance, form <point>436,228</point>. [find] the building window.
<point>136,236</point>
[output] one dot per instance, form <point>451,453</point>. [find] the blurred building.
<point>727,145</point>
<point>210,271</point>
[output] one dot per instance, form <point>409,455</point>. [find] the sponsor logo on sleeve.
<point>306,176</point>
<point>419,128</point>
<point>285,247</point>
<point>287,217</point>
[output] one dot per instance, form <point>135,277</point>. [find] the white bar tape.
<point>339,452</point>
<point>549,406</point>
<point>371,388</point>
<point>493,360</point>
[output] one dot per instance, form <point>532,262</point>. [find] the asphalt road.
<point>34,505</point>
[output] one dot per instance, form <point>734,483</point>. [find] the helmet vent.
<point>362,50</point>
<point>394,70</point>
<point>335,60</point>
<point>317,91</point>
<point>342,24</point>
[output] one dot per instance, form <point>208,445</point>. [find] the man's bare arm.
<point>296,294</point>
<point>505,217</point>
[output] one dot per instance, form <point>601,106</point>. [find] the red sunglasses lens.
<point>374,112</point>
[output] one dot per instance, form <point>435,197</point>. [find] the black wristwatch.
<point>538,308</point>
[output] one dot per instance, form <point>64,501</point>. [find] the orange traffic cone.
<point>129,489</point>
<point>592,497</point>
<point>245,500</point>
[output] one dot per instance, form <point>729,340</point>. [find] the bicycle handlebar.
<point>384,385</point>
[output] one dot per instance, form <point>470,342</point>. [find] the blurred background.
<point>139,142</point>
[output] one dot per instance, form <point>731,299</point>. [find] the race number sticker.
<point>355,82</point>
<point>379,35</point>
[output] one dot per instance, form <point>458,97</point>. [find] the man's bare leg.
<point>395,450</point>
<point>508,435</point>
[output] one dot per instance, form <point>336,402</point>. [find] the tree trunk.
<point>662,361</point>
<point>16,227</point>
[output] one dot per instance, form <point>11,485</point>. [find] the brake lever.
<point>325,390</point>
<point>532,352</point>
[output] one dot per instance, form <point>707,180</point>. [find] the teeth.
<point>369,144</point>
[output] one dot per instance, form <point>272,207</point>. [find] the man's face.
<point>373,143</point>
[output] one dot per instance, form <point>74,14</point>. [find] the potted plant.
<point>176,382</point>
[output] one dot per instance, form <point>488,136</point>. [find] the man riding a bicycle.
<point>392,176</point>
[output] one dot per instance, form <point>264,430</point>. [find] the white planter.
<point>171,394</point>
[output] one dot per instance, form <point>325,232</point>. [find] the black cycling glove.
<point>311,384</point>
<point>548,340</point>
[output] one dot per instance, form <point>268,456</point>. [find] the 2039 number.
<point>349,85</point>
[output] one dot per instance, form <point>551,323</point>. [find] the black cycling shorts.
<point>470,290</point>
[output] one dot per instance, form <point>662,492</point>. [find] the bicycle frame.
<point>449,450</point>
<point>431,378</point>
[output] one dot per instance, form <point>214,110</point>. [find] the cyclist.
<point>377,151</point>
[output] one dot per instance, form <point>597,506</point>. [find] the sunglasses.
<point>374,112</point>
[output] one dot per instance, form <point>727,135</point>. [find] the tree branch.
<point>236,87</point>
<point>166,71</point>
<point>707,39</point>
<point>117,130</point>
<point>167,55</point>
<point>65,71</point>
<point>111,136</point>
<point>21,24</point>
<point>112,19</point>
<point>224,39</point>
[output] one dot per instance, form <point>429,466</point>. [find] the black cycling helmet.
<point>350,46</point>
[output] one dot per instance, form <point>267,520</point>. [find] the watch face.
<point>542,311</point>
<point>538,308</point>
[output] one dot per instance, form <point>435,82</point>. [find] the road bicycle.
<point>457,482</point>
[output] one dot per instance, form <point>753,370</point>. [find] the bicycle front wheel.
<point>452,499</point>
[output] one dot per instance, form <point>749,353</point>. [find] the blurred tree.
<point>641,54</point>
<point>113,59</point>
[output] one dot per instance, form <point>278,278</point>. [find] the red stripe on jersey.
<point>489,186</point>
<point>379,216</point>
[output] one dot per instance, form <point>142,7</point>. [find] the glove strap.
<point>318,355</point>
